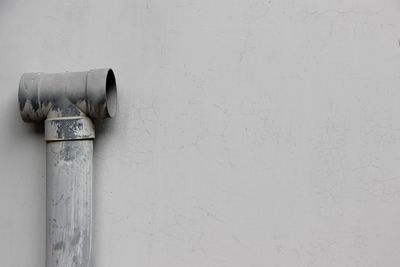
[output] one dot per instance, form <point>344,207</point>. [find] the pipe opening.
<point>111,94</point>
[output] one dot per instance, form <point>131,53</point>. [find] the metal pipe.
<point>68,102</point>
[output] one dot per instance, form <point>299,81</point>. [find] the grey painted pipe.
<point>68,102</point>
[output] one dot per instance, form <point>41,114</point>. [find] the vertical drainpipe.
<point>68,102</point>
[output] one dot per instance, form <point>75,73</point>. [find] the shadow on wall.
<point>103,126</point>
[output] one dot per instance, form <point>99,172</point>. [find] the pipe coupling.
<point>68,128</point>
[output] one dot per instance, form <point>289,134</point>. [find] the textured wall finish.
<point>249,133</point>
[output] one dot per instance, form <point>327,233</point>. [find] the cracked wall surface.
<point>249,132</point>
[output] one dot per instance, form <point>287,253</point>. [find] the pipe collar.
<point>68,128</point>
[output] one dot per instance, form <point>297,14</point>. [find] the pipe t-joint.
<point>68,101</point>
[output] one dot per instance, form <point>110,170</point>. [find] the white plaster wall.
<point>250,132</point>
